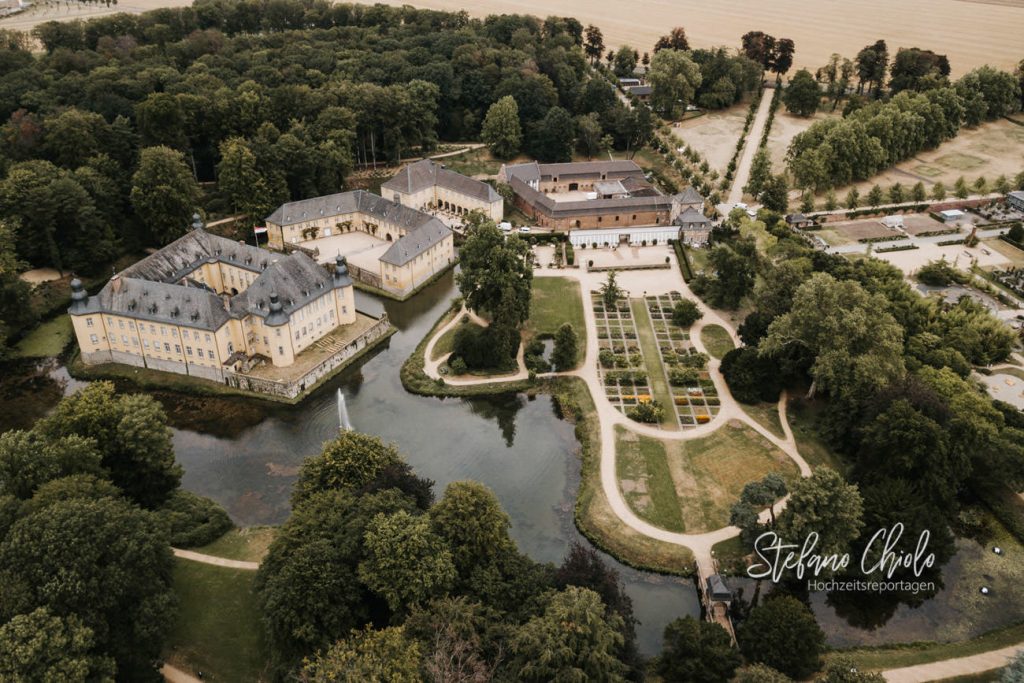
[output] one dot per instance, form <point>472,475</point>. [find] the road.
<point>750,149</point>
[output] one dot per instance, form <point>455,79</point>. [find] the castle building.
<point>590,194</point>
<point>401,248</point>
<point>207,306</point>
<point>429,186</point>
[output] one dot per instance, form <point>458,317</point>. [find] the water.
<point>245,454</point>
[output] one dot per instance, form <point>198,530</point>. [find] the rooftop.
<point>426,173</point>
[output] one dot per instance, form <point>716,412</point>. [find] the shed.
<point>951,215</point>
<point>718,590</point>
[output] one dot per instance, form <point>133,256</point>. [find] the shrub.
<point>695,360</point>
<point>646,411</point>
<point>683,377</point>
<point>458,367</point>
<point>940,273</point>
<point>194,520</point>
<point>686,313</point>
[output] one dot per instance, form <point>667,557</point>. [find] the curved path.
<point>432,367</point>
<point>649,282</point>
<point>214,560</point>
<point>954,668</point>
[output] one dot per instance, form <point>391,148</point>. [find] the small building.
<point>610,237</point>
<point>718,590</point>
<point>641,93</point>
<point>1016,200</point>
<point>798,220</point>
<point>629,82</point>
<point>951,215</point>
<point>694,227</point>
<point>893,222</point>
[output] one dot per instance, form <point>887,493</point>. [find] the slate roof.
<point>426,173</point>
<point>534,171</point>
<point>355,201</point>
<point>689,196</point>
<point>641,90</point>
<point>158,288</point>
<point>691,215</point>
<point>414,243</point>
<point>647,201</point>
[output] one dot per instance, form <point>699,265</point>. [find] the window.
<point>266,342</point>
<point>188,350</point>
<point>88,322</point>
<point>184,334</point>
<point>135,342</point>
<point>167,347</point>
<point>163,331</point>
<point>297,334</point>
<point>207,338</point>
<point>280,350</point>
<point>113,339</point>
<point>120,323</point>
<point>93,338</point>
<point>199,352</point>
<point>110,321</point>
<point>174,331</point>
<point>152,329</point>
<point>124,340</point>
<point>177,348</point>
<point>278,330</point>
<point>145,344</point>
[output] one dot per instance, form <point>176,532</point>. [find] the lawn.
<point>707,474</point>
<point>249,544</point>
<point>645,479</point>
<point>553,301</point>
<point>446,342</point>
<point>218,630</point>
<point>698,259</point>
<point>1012,253</point>
<point>49,339</point>
<point>652,361</point>
<point>766,415</point>
<point>716,340</point>
<point>594,515</point>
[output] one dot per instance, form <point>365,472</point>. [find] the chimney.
<point>115,284</point>
<point>227,302</point>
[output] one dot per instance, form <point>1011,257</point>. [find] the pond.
<point>245,454</point>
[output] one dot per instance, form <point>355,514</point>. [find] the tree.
<point>593,45</point>
<point>574,639</point>
<point>842,670</point>
<point>1002,185</point>
<point>782,59</point>
<point>852,199</point>
<point>872,64</point>
<point>782,633</point>
<point>760,47</point>
<point>697,652</point>
<point>960,188</point>
<point>734,266</point>
<point>803,94</point>
<point>918,192</point>
<point>751,377</point>
<point>384,656</point>
<point>938,192</point>
<point>240,181</point>
<point>760,173</point>
<point>686,313</point>
<point>495,274</point>
<point>674,79</point>
<point>589,134</point>
<point>981,185</point>
<point>566,351</point>
<point>164,194</point>
<point>132,434</point>
<point>406,562</point>
<point>775,194</point>
<point>610,290</point>
<point>856,343</point>
<point>40,647</point>
<point>28,460</point>
<point>759,673</point>
<point>554,136</point>
<point>875,197</point>
<point>807,201</point>
<point>348,462</point>
<point>675,40</point>
<point>826,505</point>
<point>896,194</point>
<point>501,130</point>
<point>831,203</point>
<point>625,61</point>
<point>471,520</point>
<point>104,561</point>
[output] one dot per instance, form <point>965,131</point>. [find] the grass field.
<point>249,544</point>
<point>767,415</point>
<point>652,361</point>
<point>49,339</point>
<point>706,475</point>
<point>218,630</point>
<point>446,342</point>
<point>716,340</point>
<point>1012,253</point>
<point>553,301</point>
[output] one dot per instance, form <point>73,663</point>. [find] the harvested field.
<point>714,135</point>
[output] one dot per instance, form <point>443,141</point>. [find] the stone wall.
<point>293,388</point>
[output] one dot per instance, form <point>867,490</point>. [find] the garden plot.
<point>621,364</point>
<point>694,397</point>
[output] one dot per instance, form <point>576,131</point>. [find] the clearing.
<point>705,476</point>
<point>49,339</point>
<point>714,134</point>
<point>218,630</point>
<point>249,544</point>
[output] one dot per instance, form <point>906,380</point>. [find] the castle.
<point>209,307</point>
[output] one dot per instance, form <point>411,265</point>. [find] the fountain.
<point>344,424</point>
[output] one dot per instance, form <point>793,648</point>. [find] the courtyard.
<point>359,248</point>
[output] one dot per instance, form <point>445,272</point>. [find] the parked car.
<point>525,228</point>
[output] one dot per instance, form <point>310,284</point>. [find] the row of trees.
<point>89,505</point>
<point>877,135</point>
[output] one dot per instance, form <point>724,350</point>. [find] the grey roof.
<point>641,90</point>
<point>1017,194</point>
<point>610,187</point>
<point>426,173</point>
<point>527,172</point>
<point>415,242</point>
<point>158,288</point>
<point>589,207</point>
<point>356,201</point>
<point>691,215</point>
<point>718,588</point>
<point>196,247</point>
<point>689,196</point>
<point>796,218</point>
<point>610,169</point>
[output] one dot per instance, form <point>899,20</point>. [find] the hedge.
<point>684,260</point>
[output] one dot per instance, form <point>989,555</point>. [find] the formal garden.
<point>621,363</point>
